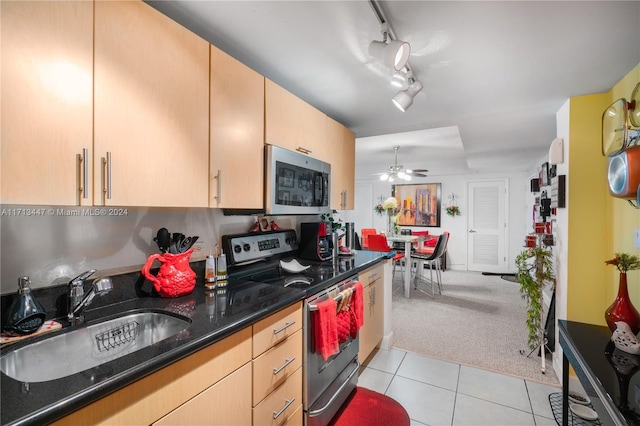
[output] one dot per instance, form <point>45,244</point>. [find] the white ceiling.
<point>494,73</point>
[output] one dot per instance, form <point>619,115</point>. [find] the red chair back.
<point>365,232</point>
<point>378,242</point>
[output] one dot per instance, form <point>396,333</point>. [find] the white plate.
<point>584,401</point>
<point>583,412</point>
<point>293,266</point>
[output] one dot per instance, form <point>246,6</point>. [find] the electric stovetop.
<point>256,258</point>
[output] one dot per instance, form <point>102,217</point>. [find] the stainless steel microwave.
<point>295,183</point>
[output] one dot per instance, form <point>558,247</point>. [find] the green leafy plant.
<point>334,225</point>
<point>624,262</point>
<point>453,211</point>
<point>535,270</point>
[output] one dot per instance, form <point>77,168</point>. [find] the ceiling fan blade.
<point>420,170</point>
<point>418,174</point>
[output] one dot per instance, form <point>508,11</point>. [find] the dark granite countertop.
<point>214,315</point>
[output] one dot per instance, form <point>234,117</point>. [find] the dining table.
<point>408,240</point>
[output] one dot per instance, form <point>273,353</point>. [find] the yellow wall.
<point>599,224</point>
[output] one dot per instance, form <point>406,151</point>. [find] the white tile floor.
<point>436,392</point>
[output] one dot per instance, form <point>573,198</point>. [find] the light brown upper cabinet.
<point>342,143</point>
<point>293,124</point>
<point>47,76</point>
<point>237,134</point>
<point>151,106</point>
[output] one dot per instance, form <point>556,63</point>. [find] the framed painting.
<point>419,204</point>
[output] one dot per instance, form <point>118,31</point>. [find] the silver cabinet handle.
<point>106,166</point>
<point>373,293</point>
<point>284,327</point>
<point>283,366</point>
<point>84,166</point>
<point>372,276</point>
<point>277,414</point>
<point>343,199</point>
<point>303,150</point>
<point>472,231</point>
<point>218,177</point>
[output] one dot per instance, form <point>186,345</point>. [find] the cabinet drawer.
<point>372,275</point>
<point>225,403</point>
<point>288,395</point>
<point>276,328</point>
<point>296,418</point>
<point>274,366</point>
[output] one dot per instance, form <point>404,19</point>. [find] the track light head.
<point>393,53</point>
<point>404,99</point>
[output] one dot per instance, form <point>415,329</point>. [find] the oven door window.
<point>299,186</point>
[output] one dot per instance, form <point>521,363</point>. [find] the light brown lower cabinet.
<point>246,378</point>
<point>225,403</point>
<point>371,332</point>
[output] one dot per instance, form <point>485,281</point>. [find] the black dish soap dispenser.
<point>25,315</point>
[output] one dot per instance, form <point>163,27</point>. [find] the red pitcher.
<point>175,278</point>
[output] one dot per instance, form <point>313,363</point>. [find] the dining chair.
<point>378,242</point>
<point>365,232</point>
<point>431,248</point>
<point>432,261</point>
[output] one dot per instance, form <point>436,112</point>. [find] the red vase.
<point>622,310</point>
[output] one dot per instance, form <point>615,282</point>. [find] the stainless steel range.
<point>256,258</point>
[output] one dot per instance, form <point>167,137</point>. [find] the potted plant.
<point>535,270</point>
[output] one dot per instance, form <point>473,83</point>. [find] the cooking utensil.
<point>184,243</point>
<point>163,239</point>
<point>191,243</point>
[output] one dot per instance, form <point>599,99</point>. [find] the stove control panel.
<point>241,248</point>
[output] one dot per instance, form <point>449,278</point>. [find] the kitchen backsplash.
<point>53,244</point>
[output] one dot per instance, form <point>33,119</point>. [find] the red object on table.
<point>622,310</point>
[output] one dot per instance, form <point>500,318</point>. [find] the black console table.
<point>607,374</point>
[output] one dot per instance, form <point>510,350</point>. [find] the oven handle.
<point>337,299</point>
<point>319,411</point>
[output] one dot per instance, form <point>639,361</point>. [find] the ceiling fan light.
<point>407,177</point>
<point>391,179</point>
<point>401,174</point>
<point>384,177</point>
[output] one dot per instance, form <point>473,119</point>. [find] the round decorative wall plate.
<point>614,128</point>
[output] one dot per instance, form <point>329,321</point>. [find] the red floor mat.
<point>365,407</point>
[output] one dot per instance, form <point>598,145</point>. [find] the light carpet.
<point>478,320</point>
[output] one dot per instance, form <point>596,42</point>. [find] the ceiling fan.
<point>399,172</point>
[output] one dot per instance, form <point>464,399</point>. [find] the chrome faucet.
<point>78,300</point>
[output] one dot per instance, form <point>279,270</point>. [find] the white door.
<point>487,226</point>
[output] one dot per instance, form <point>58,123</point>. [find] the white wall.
<point>369,192</point>
<point>561,232</point>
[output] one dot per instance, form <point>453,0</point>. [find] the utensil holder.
<point>175,277</point>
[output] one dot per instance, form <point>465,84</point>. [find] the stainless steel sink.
<point>69,353</point>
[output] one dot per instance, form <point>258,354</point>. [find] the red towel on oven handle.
<point>325,329</point>
<point>357,308</point>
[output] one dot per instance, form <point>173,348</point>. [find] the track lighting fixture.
<point>401,78</point>
<point>393,53</point>
<point>404,99</point>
